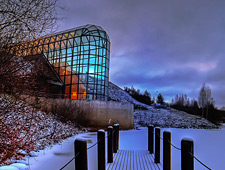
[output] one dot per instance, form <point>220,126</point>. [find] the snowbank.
<point>170,119</point>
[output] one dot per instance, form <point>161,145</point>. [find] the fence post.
<point>151,139</point>
<point>81,162</point>
<point>187,152</point>
<point>101,150</point>
<point>110,144</point>
<point>166,150</point>
<point>157,145</point>
<point>117,134</point>
<point>116,138</point>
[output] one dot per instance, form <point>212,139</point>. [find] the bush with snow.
<point>24,129</point>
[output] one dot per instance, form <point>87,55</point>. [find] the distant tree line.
<point>144,98</point>
<point>136,94</point>
<point>204,107</point>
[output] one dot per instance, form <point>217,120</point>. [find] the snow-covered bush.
<point>24,129</point>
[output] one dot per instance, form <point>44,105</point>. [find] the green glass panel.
<point>92,69</point>
<point>92,60</point>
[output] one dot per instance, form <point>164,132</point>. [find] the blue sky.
<point>172,47</point>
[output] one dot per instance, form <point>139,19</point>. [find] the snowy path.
<point>133,160</point>
<point>56,157</point>
<point>208,147</point>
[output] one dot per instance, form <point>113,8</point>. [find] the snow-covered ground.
<point>24,129</point>
<point>167,117</point>
<point>208,147</point>
<point>170,118</point>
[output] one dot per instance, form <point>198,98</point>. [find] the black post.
<point>101,150</point>
<point>166,150</point>
<point>117,134</point>
<point>81,162</point>
<point>116,138</point>
<point>187,150</point>
<point>110,144</point>
<point>157,145</point>
<point>151,139</point>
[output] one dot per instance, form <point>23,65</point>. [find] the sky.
<point>169,47</point>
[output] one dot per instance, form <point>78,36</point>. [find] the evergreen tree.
<point>160,99</point>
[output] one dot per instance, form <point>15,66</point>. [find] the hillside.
<point>161,117</point>
<point>24,129</point>
<point>118,94</point>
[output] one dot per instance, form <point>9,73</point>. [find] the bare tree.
<point>205,100</point>
<point>25,19</point>
<point>21,20</point>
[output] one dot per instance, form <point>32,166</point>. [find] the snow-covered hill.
<point>24,129</point>
<point>117,94</point>
<point>160,117</point>
<point>170,118</point>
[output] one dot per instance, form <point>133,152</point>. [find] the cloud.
<point>172,45</point>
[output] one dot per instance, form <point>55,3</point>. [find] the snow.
<point>117,94</point>
<point>207,142</point>
<point>101,130</point>
<point>57,156</point>
<point>20,166</point>
<point>8,168</point>
<point>156,116</point>
<point>29,128</point>
<point>208,147</point>
<point>170,118</point>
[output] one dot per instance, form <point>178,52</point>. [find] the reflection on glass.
<point>79,56</point>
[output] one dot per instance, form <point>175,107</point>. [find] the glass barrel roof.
<point>80,57</point>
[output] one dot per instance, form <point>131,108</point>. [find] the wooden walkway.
<point>133,160</point>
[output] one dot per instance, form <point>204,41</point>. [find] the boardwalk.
<point>133,160</point>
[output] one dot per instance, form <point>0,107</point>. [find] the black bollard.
<point>81,162</point>
<point>116,138</point>
<point>110,144</point>
<point>166,150</point>
<point>151,139</point>
<point>187,150</point>
<point>101,150</point>
<point>157,145</point>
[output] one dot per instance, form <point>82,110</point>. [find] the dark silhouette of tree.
<point>136,94</point>
<point>160,99</point>
<point>183,103</point>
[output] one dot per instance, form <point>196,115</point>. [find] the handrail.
<point>188,152</point>
<point>79,153</point>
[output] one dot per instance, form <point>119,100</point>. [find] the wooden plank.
<point>120,161</point>
<point>125,160</point>
<point>147,164</point>
<point>133,160</point>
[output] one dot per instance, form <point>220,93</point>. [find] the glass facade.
<point>80,57</point>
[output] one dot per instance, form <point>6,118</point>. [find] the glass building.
<point>79,56</point>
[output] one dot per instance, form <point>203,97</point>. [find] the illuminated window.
<point>80,56</point>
